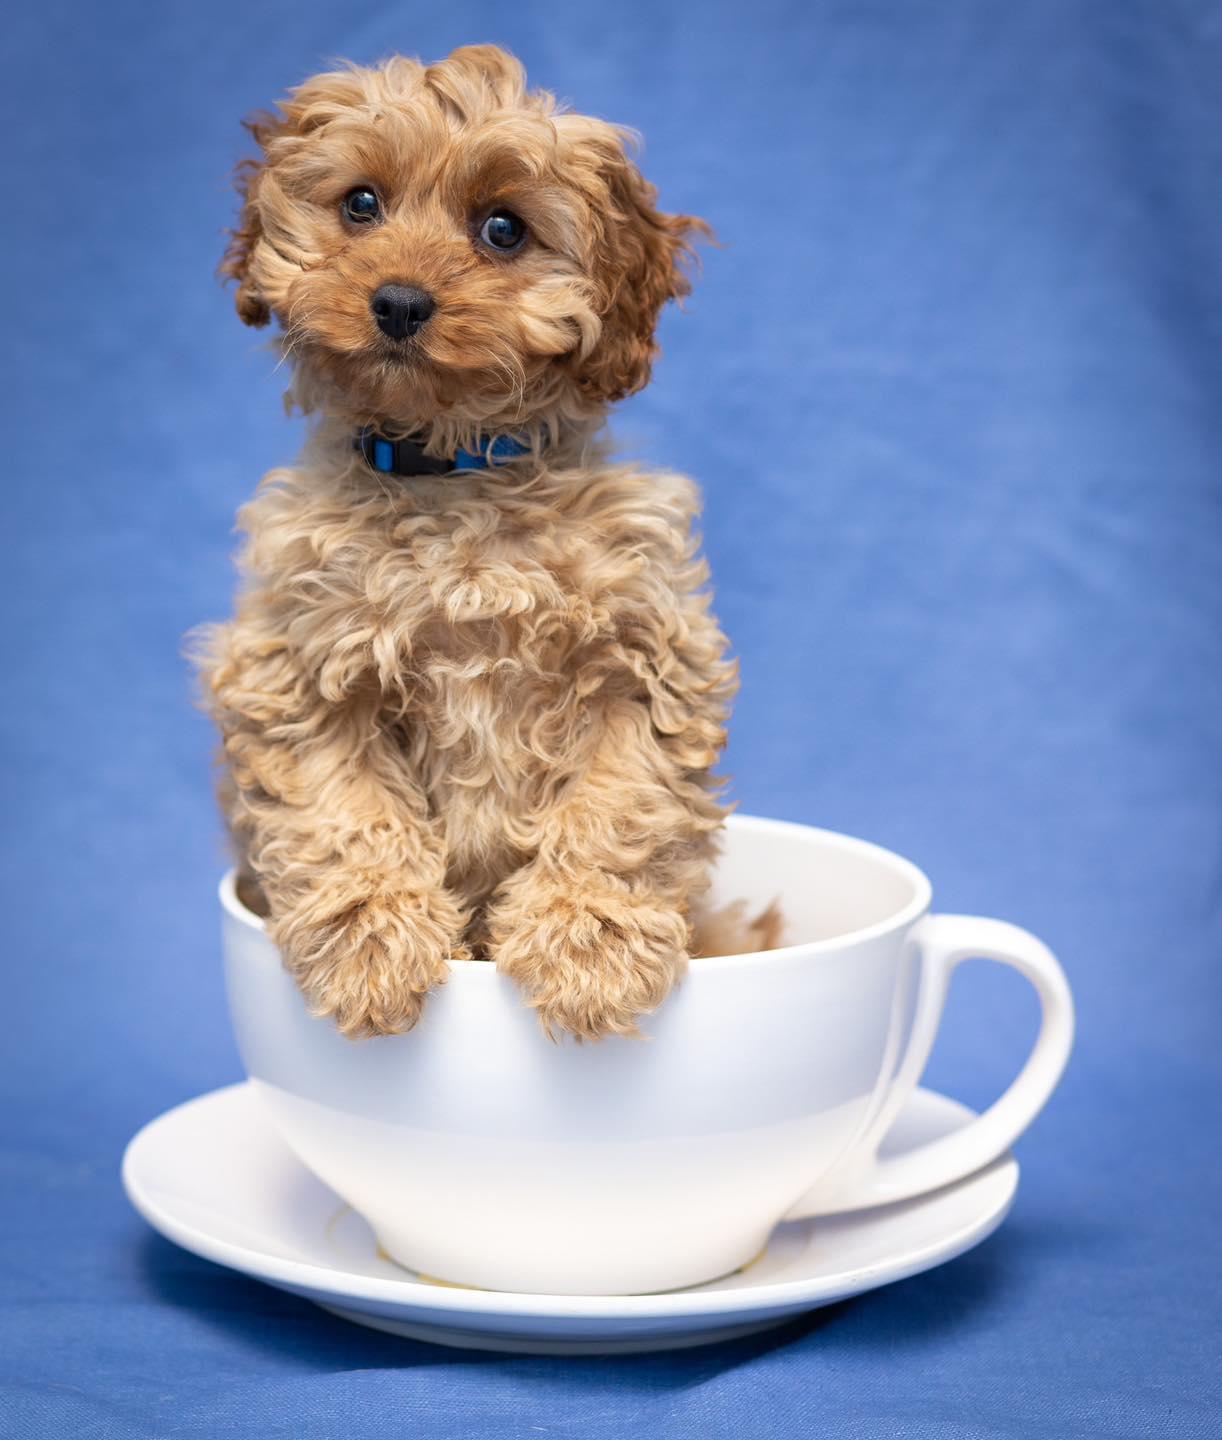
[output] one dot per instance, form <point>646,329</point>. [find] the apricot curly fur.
<point>473,714</point>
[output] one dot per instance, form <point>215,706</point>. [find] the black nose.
<point>401,310</point>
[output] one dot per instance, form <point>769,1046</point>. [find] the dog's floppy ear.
<point>639,262</point>
<point>309,107</point>
<point>235,265</point>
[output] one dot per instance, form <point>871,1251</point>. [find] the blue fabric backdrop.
<point>952,388</point>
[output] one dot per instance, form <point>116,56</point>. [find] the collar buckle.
<point>406,457</point>
<point>398,457</point>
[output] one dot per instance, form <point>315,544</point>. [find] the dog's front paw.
<point>591,958</point>
<point>371,965</point>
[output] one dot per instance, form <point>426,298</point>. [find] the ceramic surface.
<point>214,1176</point>
<point>485,1154</point>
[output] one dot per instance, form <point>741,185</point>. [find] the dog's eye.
<point>361,205</point>
<point>503,231</point>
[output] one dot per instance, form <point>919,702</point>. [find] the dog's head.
<point>438,243</point>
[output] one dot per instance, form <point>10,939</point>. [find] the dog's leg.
<point>596,927</point>
<point>353,875</point>
<point>337,833</point>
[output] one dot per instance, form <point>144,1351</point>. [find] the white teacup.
<point>486,1155</point>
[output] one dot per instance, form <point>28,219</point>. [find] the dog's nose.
<point>401,310</point>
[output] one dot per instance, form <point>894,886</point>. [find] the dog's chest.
<point>488,622</point>
<point>490,626</point>
<point>481,596</point>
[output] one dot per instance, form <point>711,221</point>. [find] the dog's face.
<point>437,243</point>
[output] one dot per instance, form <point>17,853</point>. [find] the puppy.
<point>472,693</point>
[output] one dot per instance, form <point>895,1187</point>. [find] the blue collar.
<point>407,457</point>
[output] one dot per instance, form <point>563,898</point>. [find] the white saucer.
<point>213,1176</point>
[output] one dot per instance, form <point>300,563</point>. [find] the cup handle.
<point>944,942</point>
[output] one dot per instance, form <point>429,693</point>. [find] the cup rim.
<point>912,910</point>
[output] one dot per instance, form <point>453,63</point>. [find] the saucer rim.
<point>301,1275</point>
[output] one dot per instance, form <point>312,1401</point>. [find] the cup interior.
<point>828,886</point>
